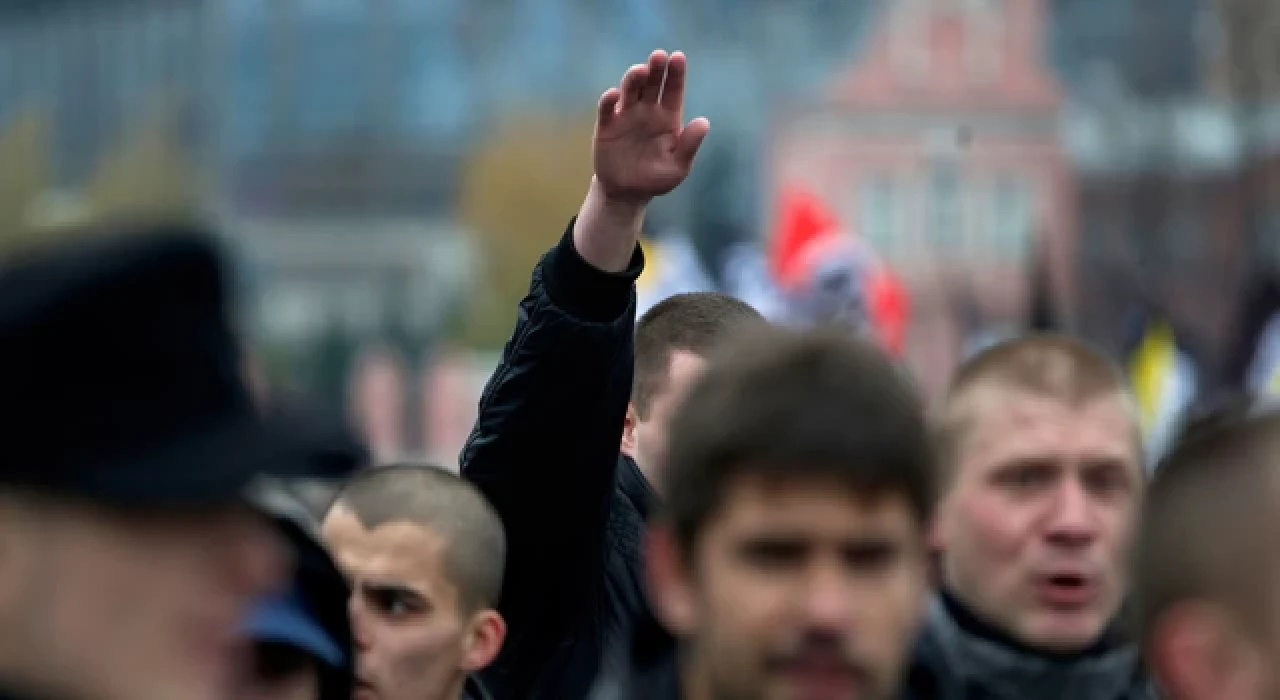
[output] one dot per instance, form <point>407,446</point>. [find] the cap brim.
<point>211,467</point>
<point>281,621</point>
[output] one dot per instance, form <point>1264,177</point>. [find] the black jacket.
<point>474,690</point>
<point>959,657</point>
<point>646,667</point>
<point>545,452</point>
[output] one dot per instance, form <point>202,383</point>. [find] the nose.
<point>360,630</point>
<point>1072,521</point>
<point>828,601</point>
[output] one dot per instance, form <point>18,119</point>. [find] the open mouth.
<point>823,680</point>
<point>1066,590</point>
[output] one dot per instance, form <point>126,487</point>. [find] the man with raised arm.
<point>545,449</point>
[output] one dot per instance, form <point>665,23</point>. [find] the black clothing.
<point>474,690</point>
<point>122,371</point>
<point>545,453</point>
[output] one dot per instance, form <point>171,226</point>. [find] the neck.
<point>967,619</point>
<point>637,486</point>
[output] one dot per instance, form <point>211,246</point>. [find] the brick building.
<point>940,145</point>
<point>1178,196</point>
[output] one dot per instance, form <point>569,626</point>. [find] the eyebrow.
<point>391,588</point>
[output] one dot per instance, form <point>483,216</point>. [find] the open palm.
<point>642,148</point>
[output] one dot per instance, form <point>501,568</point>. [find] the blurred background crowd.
<point>391,169</point>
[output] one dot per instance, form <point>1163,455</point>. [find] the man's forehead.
<point>1012,420</point>
<point>683,367</point>
<point>817,505</point>
<point>403,550</point>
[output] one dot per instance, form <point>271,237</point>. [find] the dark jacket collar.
<point>655,678</point>
<point>975,626</point>
<point>635,487</point>
<point>959,651</point>
<point>473,689</point>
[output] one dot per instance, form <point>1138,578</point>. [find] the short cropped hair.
<point>784,404</point>
<point>694,322</point>
<point>1209,520</point>
<point>447,505</point>
<point>1042,364</point>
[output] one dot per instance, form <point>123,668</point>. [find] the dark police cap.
<point>121,377</point>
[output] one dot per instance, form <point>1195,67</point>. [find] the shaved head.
<point>1208,532</point>
<point>445,504</point>
<point>1048,365</point>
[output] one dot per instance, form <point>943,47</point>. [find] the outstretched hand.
<point>642,148</point>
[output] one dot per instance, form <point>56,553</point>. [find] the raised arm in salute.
<point>545,445</point>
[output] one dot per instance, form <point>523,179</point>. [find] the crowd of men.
<point>694,505</point>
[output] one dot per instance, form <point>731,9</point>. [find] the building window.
<point>984,45</point>
<point>1268,238</point>
<point>946,229</point>
<point>880,213</point>
<point>977,219</point>
<point>908,48</point>
<point>1011,215</point>
<point>1184,234</point>
<point>1099,235</point>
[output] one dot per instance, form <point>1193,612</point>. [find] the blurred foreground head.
<point>1042,479</point>
<point>334,448</point>
<point>791,558</point>
<point>425,553</point>
<point>302,648</point>
<point>1207,567</point>
<point>128,556</point>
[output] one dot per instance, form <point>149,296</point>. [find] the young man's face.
<point>1037,522</point>
<point>645,439</point>
<point>796,589</point>
<point>413,639</point>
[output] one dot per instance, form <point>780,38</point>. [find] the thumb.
<point>690,140</point>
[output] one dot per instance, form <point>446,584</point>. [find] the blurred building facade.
<point>1178,190</point>
<point>332,137</point>
<point>90,70</point>
<point>940,146</point>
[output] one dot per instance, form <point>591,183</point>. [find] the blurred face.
<point>645,440</point>
<point>130,607</point>
<point>796,590</point>
<point>1037,524</point>
<point>412,640</point>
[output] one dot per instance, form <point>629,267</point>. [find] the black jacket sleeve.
<point>544,451</point>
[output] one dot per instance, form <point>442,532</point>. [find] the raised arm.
<point>545,445</point>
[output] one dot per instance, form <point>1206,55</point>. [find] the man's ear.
<point>1196,650</point>
<point>628,446</point>
<point>484,640</point>
<point>670,580</point>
